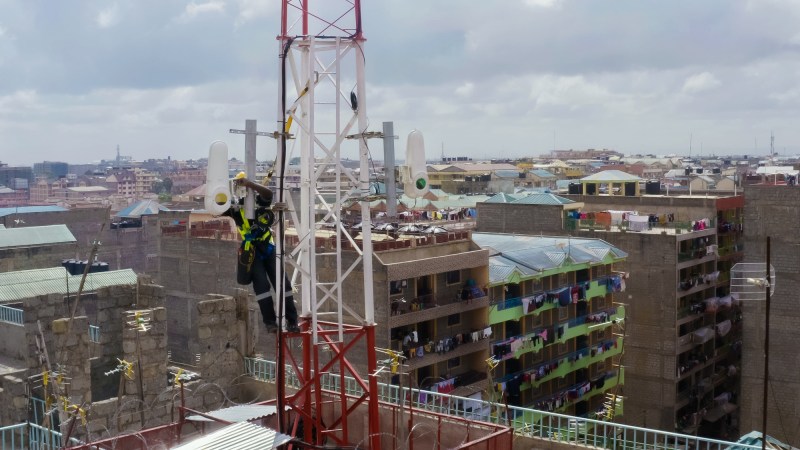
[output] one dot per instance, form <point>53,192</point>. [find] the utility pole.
<point>250,134</point>
<point>388,168</point>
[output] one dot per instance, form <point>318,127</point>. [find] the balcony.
<point>432,357</point>
<point>513,309</point>
<point>429,306</point>
<point>569,363</point>
<point>532,342</point>
<point>612,380</point>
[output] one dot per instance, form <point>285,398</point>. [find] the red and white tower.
<point>322,115</point>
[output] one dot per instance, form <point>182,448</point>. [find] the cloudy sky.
<point>480,78</point>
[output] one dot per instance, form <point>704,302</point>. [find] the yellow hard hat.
<point>239,176</point>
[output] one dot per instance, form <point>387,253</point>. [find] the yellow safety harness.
<point>247,235</point>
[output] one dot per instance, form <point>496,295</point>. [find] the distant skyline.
<point>518,78</point>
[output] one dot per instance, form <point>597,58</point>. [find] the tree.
<point>157,187</point>
<point>167,185</point>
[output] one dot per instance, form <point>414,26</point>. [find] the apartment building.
<point>556,324</point>
<point>683,329</point>
<point>771,211</point>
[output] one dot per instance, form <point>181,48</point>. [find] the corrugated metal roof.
<point>611,176</point>
<point>505,173</point>
<point>239,436</point>
<point>142,208</point>
<point>29,209</point>
<point>22,284</point>
<point>238,413</point>
<point>502,198</point>
<point>541,173</point>
<point>33,236</point>
<point>531,255</point>
<point>543,199</point>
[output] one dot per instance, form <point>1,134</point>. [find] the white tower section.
<point>324,111</point>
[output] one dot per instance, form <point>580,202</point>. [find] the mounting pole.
<point>767,288</point>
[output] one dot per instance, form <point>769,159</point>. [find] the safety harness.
<point>260,233</point>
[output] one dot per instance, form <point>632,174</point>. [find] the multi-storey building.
<point>771,211</point>
<point>683,329</point>
<point>555,323</point>
<point>429,304</point>
<point>124,182</point>
<point>143,182</point>
<point>50,170</point>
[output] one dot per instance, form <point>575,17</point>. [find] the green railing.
<point>11,315</point>
<point>526,421</point>
<point>31,436</point>
<point>512,308</point>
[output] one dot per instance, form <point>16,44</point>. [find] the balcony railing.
<point>11,315</point>
<point>579,326</point>
<point>571,224</point>
<point>440,307</point>
<point>526,421</point>
<point>569,363</point>
<point>513,309</point>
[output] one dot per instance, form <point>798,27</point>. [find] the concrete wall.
<point>126,248</point>
<point>521,219</point>
<point>773,211</point>
<point>197,265</point>
<point>650,339</point>
<point>685,208</point>
<point>39,257</point>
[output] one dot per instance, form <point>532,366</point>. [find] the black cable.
<point>280,289</point>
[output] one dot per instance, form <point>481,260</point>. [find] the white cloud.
<point>255,9</point>
<point>466,89</point>
<point>108,17</point>
<point>700,82</point>
<point>543,3</point>
<point>193,9</point>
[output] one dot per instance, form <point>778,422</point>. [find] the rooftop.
<point>22,284</point>
<point>513,256</point>
<point>35,236</point>
<point>29,209</point>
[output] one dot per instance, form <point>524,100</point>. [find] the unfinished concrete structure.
<point>121,248</point>
<point>105,370</point>
<point>36,246</point>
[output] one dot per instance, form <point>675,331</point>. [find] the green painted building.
<point>557,324</point>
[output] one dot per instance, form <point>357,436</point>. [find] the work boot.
<point>292,328</point>
<point>272,328</point>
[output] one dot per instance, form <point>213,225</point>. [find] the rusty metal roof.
<point>239,436</point>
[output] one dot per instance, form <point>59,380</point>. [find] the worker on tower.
<point>256,263</point>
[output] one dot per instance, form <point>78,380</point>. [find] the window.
<point>563,313</point>
<point>453,277</point>
<point>396,287</point>
<point>453,362</point>
<point>453,319</point>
